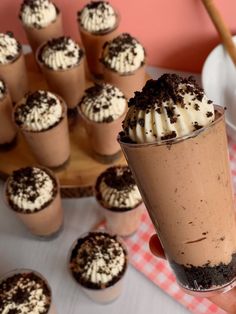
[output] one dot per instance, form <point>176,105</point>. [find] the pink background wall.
<point>176,33</point>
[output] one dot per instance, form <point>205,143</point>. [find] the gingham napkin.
<point>158,270</point>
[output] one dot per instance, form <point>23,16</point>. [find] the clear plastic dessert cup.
<point>46,223</point>
<point>127,83</point>
<point>68,83</point>
<point>104,295</point>
<point>36,36</point>
<point>93,43</point>
<point>103,137</point>
<point>186,187</point>
<point>8,129</point>
<point>123,222</point>
<point>15,75</point>
<point>51,309</point>
<point>50,147</point>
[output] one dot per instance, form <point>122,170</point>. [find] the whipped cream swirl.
<point>61,53</point>
<point>38,13</point>
<point>39,111</point>
<point>124,54</point>
<point>2,89</point>
<point>98,260</point>
<point>166,109</point>
<point>103,103</point>
<point>98,17</point>
<point>10,48</point>
<point>117,190</point>
<point>24,293</point>
<point>30,189</point>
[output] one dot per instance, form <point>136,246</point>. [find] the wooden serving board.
<point>77,178</point>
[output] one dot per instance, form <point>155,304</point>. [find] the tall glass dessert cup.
<point>186,186</point>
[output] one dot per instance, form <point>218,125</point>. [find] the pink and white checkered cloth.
<point>158,270</point>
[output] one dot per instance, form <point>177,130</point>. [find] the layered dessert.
<point>121,202</point>
<point>41,20</point>
<point>123,59</point>
<point>8,129</point>
<point>62,62</point>
<point>25,291</point>
<point>33,193</point>
<point>172,135</point>
<point>98,262</point>
<point>98,22</point>
<point>102,109</point>
<point>41,117</point>
<point>12,66</point>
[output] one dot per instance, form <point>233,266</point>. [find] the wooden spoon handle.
<point>222,29</point>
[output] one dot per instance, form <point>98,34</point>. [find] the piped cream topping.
<point>117,189</point>
<point>98,17</point>
<point>24,293</point>
<point>61,53</point>
<point>98,260</point>
<point>38,13</point>
<point>166,109</point>
<point>9,48</point>
<point>30,189</point>
<point>39,111</point>
<point>103,103</point>
<point>2,89</point>
<point>124,54</point>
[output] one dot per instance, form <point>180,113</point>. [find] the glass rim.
<point>83,235</point>
<point>22,270</point>
<point>170,142</point>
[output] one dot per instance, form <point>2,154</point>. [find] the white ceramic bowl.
<point>219,83</point>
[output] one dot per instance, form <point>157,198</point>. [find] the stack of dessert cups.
<point>27,291</point>
<point>98,262</point>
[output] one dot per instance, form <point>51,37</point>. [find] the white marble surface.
<point>19,249</point>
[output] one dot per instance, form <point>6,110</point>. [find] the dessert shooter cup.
<point>8,129</point>
<point>46,223</point>
<point>186,187</point>
<point>51,147</point>
<point>107,294</point>
<point>122,222</point>
<point>37,36</point>
<point>103,137</point>
<point>15,76</point>
<point>51,309</point>
<point>127,83</point>
<point>68,83</point>
<point>93,43</point>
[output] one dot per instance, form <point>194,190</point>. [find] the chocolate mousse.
<point>8,129</point>
<point>12,66</point>
<point>98,22</point>
<point>98,262</point>
<point>62,62</point>
<point>102,110</point>
<point>33,193</point>
<point>172,135</point>
<point>123,59</point>
<point>41,117</point>
<point>25,292</point>
<point>121,202</point>
<point>41,20</point>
